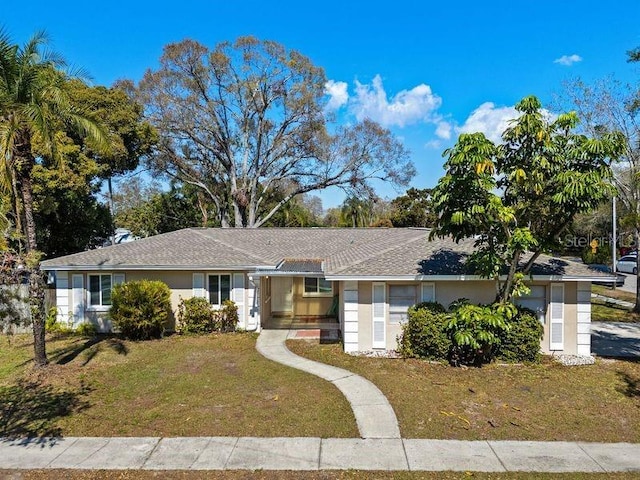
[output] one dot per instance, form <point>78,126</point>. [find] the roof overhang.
<point>199,268</point>
<point>462,278</point>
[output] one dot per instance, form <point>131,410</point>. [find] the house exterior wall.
<point>179,282</point>
<point>310,305</point>
<point>576,309</point>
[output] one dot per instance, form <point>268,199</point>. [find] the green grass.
<point>610,292</point>
<point>598,403</point>
<point>178,386</point>
<point>607,312</point>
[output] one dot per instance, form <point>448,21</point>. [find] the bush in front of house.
<point>140,309</point>
<point>197,316</point>
<point>424,334</point>
<point>471,334</point>
<point>476,330</point>
<point>521,343</point>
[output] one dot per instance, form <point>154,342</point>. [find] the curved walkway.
<point>374,415</point>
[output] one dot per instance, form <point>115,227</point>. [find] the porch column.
<point>350,301</point>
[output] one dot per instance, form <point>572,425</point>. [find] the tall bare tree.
<point>240,119</point>
<point>609,105</point>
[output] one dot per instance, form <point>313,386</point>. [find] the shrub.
<point>227,317</point>
<point>86,329</point>
<point>140,309</point>
<point>424,334</point>
<point>52,325</point>
<point>521,343</point>
<point>196,315</point>
<point>475,331</point>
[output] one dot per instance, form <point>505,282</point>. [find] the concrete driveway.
<point>615,339</point>
<point>629,283</point>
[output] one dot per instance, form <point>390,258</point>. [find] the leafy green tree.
<point>518,197</point>
<point>239,120</point>
<point>33,101</point>
<point>413,209</point>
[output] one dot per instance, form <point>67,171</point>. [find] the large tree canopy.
<point>516,198</point>
<point>241,119</point>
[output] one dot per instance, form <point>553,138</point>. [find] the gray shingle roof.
<point>344,251</point>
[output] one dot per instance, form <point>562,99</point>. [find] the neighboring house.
<point>362,280</point>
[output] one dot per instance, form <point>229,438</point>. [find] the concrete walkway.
<point>308,453</point>
<point>374,415</point>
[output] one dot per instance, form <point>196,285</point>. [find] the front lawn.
<point>599,403</point>
<point>216,385</point>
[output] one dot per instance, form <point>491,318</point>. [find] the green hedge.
<point>521,343</point>
<point>424,334</point>
<point>470,334</point>
<point>140,309</point>
<point>197,316</point>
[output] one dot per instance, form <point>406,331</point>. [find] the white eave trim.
<point>208,268</point>
<point>460,278</point>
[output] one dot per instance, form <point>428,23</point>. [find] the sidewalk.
<point>308,453</point>
<point>374,415</point>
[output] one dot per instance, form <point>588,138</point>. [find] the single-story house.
<point>362,280</point>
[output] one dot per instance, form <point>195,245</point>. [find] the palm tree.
<point>33,104</point>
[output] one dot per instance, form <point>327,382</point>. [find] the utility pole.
<point>614,243</point>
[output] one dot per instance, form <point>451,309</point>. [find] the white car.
<point>628,264</point>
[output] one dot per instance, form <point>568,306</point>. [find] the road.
<point>629,283</point>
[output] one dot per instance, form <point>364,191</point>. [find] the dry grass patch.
<point>598,403</point>
<point>178,386</point>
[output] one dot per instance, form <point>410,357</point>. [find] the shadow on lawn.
<point>30,409</point>
<point>631,387</point>
<point>91,346</point>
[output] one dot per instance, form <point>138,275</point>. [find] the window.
<point>219,289</point>
<point>535,300</point>
<point>317,286</point>
<point>100,288</point>
<point>401,297</point>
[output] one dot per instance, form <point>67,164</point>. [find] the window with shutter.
<point>198,285</point>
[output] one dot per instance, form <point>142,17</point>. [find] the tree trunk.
<point>636,308</point>
<point>36,287</point>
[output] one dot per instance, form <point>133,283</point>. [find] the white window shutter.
<point>428,292</point>
<point>118,278</point>
<point>78,298</point>
<point>556,330</point>
<point>198,285</point>
<point>237,295</point>
<point>379,313</point>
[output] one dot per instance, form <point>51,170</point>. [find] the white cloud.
<point>404,108</point>
<point>443,130</point>
<point>568,60</point>
<point>493,121</point>
<point>337,92</point>
<point>434,144</point>
<point>490,120</point>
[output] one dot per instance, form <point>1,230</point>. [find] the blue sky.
<point>426,70</point>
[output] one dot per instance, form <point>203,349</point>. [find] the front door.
<point>282,294</point>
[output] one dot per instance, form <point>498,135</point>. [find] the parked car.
<point>605,281</point>
<point>628,264</point>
